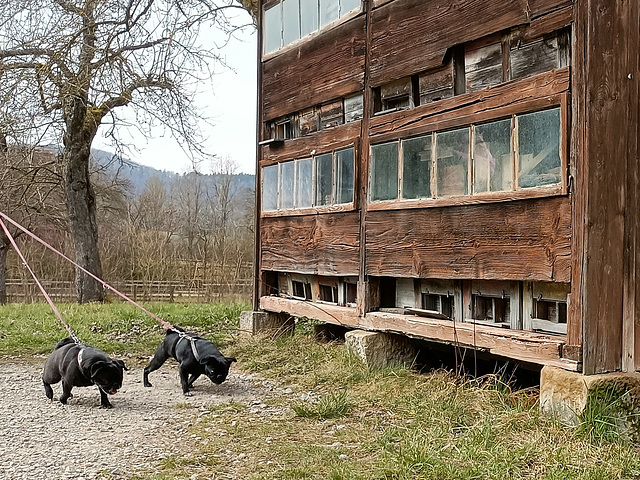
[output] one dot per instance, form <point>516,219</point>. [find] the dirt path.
<point>40,439</point>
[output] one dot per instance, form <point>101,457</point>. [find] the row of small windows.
<point>291,20</point>
<point>506,155</point>
<point>322,180</point>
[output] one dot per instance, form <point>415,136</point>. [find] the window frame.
<point>559,101</point>
<point>315,208</point>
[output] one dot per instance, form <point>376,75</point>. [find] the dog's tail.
<point>63,342</point>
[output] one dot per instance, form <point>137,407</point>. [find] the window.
<point>323,180</point>
<point>344,171</point>
<point>545,306</point>
<point>301,290</point>
<point>287,170</point>
<point>452,162</point>
<point>328,293</point>
<point>350,293</point>
<point>324,170</point>
<point>475,160</point>
<point>438,303</point>
<point>416,167</point>
<point>290,20</point>
<point>270,188</point>
<point>492,159</point>
<point>384,171</point>
<point>304,183</point>
<point>491,310</point>
<point>539,148</point>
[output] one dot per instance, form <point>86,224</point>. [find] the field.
<point>340,421</point>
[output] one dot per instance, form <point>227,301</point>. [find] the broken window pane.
<point>324,164</point>
<point>452,163</point>
<point>539,148</point>
<point>308,16</point>
<point>344,176</point>
<point>329,11</point>
<point>416,167</point>
<point>287,171</point>
<point>353,107</point>
<point>290,21</point>
<point>304,186</point>
<point>492,165</point>
<point>272,29</point>
<point>347,6</point>
<point>384,171</point>
<point>270,188</point>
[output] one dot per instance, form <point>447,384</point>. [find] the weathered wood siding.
<point>607,96</point>
<point>522,240</point>
<point>324,68</point>
<point>325,244</point>
<point>403,28</point>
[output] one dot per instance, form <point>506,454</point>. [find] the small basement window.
<point>328,293</point>
<point>438,303</point>
<point>301,290</point>
<point>350,293</point>
<point>491,310</point>
<point>547,306</point>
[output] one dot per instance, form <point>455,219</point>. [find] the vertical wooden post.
<point>257,276</point>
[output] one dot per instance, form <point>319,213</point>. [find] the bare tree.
<point>69,67</point>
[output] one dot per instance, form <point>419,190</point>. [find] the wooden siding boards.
<point>326,67</point>
<point>520,240</point>
<point>314,244</point>
<point>607,30</point>
<point>403,27</point>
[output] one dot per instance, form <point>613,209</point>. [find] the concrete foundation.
<point>267,323</point>
<point>567,395</point>
<point>380,350</point>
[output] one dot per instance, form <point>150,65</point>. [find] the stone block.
<point>566,395</point>
<point>267,323</point>
<point>380,350</point>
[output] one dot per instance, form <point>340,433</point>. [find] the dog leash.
<point>46,295</point>
<point>104,284</point>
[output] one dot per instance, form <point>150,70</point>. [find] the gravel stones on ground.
<point>44,439</point>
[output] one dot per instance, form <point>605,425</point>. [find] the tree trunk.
<point>81,206</point>
<point>4,248</point>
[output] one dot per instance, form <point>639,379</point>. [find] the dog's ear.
<point>96,366</point>
<point>121,364</point>
<point>230,360</point>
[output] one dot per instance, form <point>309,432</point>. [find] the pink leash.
<point>105,284</point>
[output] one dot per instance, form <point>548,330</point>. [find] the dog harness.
<point>192,341</point>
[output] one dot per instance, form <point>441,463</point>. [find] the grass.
<point>342,422</point>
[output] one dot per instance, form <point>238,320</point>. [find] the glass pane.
<point>492,165</point>
<point>329,11</point>
<point>287,171</point>
<point>323,179</point>
<point>384,171</point>
<point>539,148</point>
<point>416,167</point>
<point>308,16</point>
<point>272,29</point>
<point>270,188</point>
<point>304,185</point>
<point>348,5</point>
<point>452,162</point>
<point>344,176</point>
<point>290,21</point>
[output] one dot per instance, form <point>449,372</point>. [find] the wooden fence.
<point>26,290</point>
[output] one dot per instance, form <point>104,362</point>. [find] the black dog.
<point>81,366</point>
<point>195,355</point>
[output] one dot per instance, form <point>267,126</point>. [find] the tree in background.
<point>68,67</point>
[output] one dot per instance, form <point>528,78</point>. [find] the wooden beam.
<point>515,344</point>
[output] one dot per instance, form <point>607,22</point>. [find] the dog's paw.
<point>106,405</point>
<point>147,384</point>
<point>188,394</point>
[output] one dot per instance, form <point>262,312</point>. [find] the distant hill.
<point>137,175</point>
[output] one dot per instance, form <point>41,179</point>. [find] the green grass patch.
<point>331,405</point>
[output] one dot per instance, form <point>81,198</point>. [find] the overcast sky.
<point>229,101</point>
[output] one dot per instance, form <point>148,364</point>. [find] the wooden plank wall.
<point>532,239</point>
<point>327,67</point>
<point>325,244</point>
<point>403,27</point>
<point>608,33</point>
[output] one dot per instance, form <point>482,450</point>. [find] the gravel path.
<point>40,439</point>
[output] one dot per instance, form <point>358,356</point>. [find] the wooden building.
<point>461,171</point>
